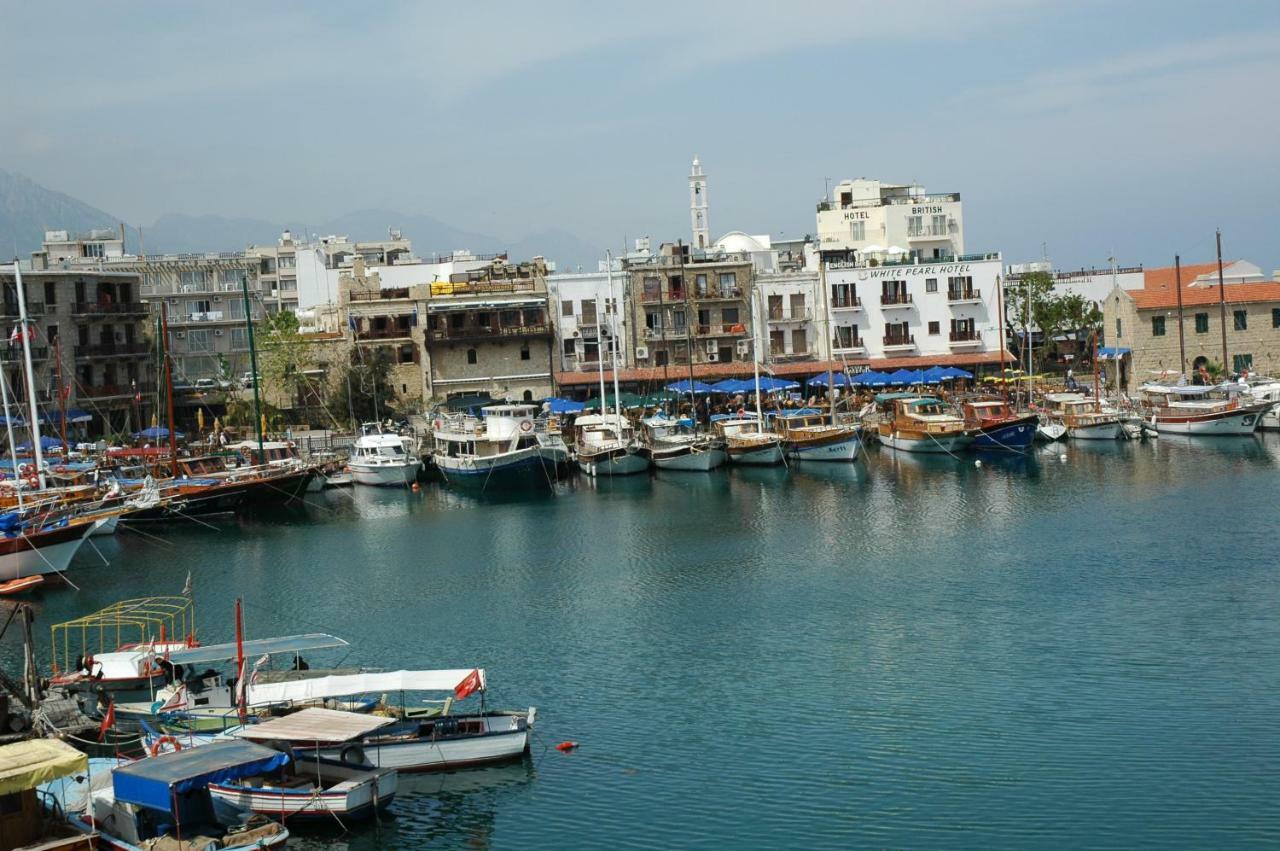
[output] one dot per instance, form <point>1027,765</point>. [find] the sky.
<point>1083,129</point>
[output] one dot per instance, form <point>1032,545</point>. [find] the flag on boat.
<point>108,720</point>
<point>262,660</point>
<point>469,685</point>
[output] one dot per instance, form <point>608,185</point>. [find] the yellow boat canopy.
<point>25,765</point>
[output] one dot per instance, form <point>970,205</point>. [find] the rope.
<point>36,550</point>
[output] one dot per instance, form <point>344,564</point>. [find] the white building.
<point>585,320</point>
<point>922,311</point>
<point>1093,284</point>
<point>317,271</point>
<point>866,218</point>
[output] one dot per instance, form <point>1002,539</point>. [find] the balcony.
<point>721,329</point>
<point>727,294</point>
<point>384,334</point>
<point>899,341</point>
<point>679,333</point>
<point>14,353</point>
<point>965,339</point>
<point>388,294</point>
<point>487,332</point>
<point>107,350</point>
<point>896,300</point>
<point>205,316</point>
<point>588,326</point>
<point>929,232</point>
<point>659,296</point>
<point>790,357</point>
<point>969,296</point>
<point>111,308</point>
<point>802,315</point>
<point>441,289</point>
<point>854,303</point>
<point>851,346</point>
<point>108,391</point>
<point>34,308</point>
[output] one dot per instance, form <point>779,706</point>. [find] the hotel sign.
<point>930,271</point>
<point>856,215</point>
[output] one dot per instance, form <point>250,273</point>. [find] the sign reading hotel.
<point>894,273</point>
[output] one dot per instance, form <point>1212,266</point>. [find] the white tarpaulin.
<point>320,688</point>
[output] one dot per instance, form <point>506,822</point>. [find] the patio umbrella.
<point>683,387</point>
<point>564,406</point>
<point>770,384</point>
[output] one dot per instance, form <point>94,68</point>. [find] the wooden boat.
<point>746,442</point>
<point>607,446</point>
<point>1084,419</point>
<point>921,424</point>
<point>675,445</point>
<point>808,435</point>
<point>24,766</point>
<point>995,426</point>
<point>36,547</point>
<point>19,586</point>
<point>150,803</point>
<point>312,787</point>
<point>1221,410</point>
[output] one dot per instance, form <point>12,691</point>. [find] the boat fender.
<point>526,426</point>
<point>414,487</point>
<point>977,463</point>
<point>565,747</point>
<point>353,755</point>
<point>157,747</point>
<point>61,468</point>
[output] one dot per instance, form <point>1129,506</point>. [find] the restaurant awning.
<point>155,782</point>
<point>25,765</point>
<point>315,725</point>
<point>1111,352</point>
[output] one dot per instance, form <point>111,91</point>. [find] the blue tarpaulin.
<point>46,443</point>
<point>1111,353</point>
<point>153,782</point>
<point>74,415</point>
<point>683,387</point>
<point>564,406</point>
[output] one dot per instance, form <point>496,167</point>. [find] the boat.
<point>607,446</point>
<point>24,766</point>
<point>675,445</point>
<point>1263,389</point>
<point>995,426</point>
<point>507,442</point>
<point>921,424</point>
<point>808,435</point>
<point>163,801</point>
<point>380,458</point>
<point>1049,430</point>
<point>20,586</point>
<point>32,547</point>
<point>746,442</point>
<point>1083,418</point>
<point>1210,410</point>
<point>312,787</point>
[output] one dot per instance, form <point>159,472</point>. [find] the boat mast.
<point>693,400</point>
<point>8,424</point>
<point>756,310</point>
<point>253,365</point>
<point>1097,390</point>
<point>36,450</point>
<point>1182,346</point>
<point>613,344</point>
<point>168,386</point>
<point>62,396</point>
<point>600,366</point>
<point>1000,310</point>
<point>242,688</point>
<point>1026,327</point>
<point>1221,301</point>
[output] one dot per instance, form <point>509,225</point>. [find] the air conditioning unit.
<point>173,301</point>
<point>712,348</point>
<point>577,333</point>
<point>217,332</point>
<point>181,335</point>
<point>744,347</point>
<point>642,352</point>
<point>713,357</point>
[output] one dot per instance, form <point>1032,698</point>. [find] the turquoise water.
<point>912,652</point>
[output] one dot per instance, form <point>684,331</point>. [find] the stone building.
<point>386,320</point>
<point>487,331</point>
<point>1142,325</point>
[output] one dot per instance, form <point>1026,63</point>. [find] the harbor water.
<point>1078,648</point>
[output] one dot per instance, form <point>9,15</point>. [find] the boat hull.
<point>521,465</point>
<point>1097,431</point>
<point>767,455</point>
<point>1050,432</point>
<point>41,553</point>
<point>930,443</point>
<point>506,738</point>
<point>1015,436</point>
<point>355,799</point>
<point>689,460</point>
<point>384,475</point>
<point>621,462</point>
<point>104,527</point>
<point>845,449</point>
<point>1241,421</point>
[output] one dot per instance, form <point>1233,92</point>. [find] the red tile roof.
<point>1154,279</point>
<point>1167,296</point>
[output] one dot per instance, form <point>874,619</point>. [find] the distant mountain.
<point>28,209</point>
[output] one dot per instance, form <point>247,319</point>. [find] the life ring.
<point>526,425</point>
<point>157,747</point>
<point>353,755</point>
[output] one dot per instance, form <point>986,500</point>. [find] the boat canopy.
<point>315,725</point>
<point>881,398</point>
<point>1190,389</point>
<point>1111,352</point>
<point>25,765</point>
<point>794,412</point>
<point>137,621</point>
<point>340,685</point>
<point>156,782</point>
<point>256,647</point>
<point>924,400</point>
<point>564,406</point>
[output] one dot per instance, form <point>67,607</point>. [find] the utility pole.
<point>1222,305</point>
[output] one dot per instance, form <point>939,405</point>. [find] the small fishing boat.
<point>340,479</point>
<point>507,442</point>
<point>24,766</point>
<point>607,446</point>
<point>995,426</point>
<point>809,435</point>
<point>921,424</point>
<point>1218,410</point>
<point>381,459</point>
<point>312,787</point>
<point>1083,418</point>
<point>675,445</point>
<point>164,801</point>
<point>746,442</point>
<point>1049,429</point>
<point>36,547</point>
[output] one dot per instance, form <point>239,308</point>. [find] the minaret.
<point>698,206</point>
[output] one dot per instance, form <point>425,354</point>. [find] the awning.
<point>340,685</point>
<point>154,782</point>
<point>683,387</point>
<point>25,765</point>
<point>564,406</point>
<point>285,644</point>
<point>315,725</point>
<point>1111,353</point>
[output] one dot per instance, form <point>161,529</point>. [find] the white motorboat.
<point>1218,410</point>
<point>674,445</point>
<point>1266,390</point>
<point>508,441</point>
<point>380,458</point>
<point>607,446</point>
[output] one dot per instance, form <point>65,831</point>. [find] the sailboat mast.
<point>1097,390</point>
<point>36,449</point>
<point>1222,306</point>
<point>755,355</point>
<point>253,365</point>
<point>168,386</point>
<point>693,400</point>
<point>241,687</point>
<point>1182,345</point>
<point>62,395</point>
<point>1000,310</point>
<point>613,341</point>
<point>8,424</point>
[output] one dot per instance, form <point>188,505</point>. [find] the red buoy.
<point>566,746</point>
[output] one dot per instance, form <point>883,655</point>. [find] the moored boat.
<point>921,424</point>
<point>380,459</point>
<point>607,446</point>
<point>807,435</point>
<point>746,442</point>
<point>674,445</point>
<point>507,443</point>
<point>995,426</point>
<point>1221,410</point>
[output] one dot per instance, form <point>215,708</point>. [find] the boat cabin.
<point>982,413</point>
<point>23,822</point>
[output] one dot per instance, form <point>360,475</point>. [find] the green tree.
<point>283,357</point>
<point>362,386</point>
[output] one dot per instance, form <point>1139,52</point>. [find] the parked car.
<point>206,384</point>
<point>248,380</point>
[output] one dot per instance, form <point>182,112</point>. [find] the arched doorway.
<point>1196,366</point>
<point>528,395</point>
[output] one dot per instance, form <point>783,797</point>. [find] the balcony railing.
<point>895,299</point>
<point>113,308</point>
<point>678,333</point>
<point>103,350</point>
<point>205,316</point>
<point>971,294</point>
<point>929,232</point>
<point>513,285</point>
<point>378,295</point>
<point>384,333</point>
<point>854,303</point>
<point>726,294</point>
<point>14,353</point>
<point>721,329</point>
<point>848,345</point>
<point>587,328</point>
<point>899,339</point>
<point>793,315</point>
<point>784,357</point>
<point>656,296</point>
<point>488,332</point>
<point>965,336</point>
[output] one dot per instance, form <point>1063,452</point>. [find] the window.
<point>230,276</point>
<point>1202,323</point>
<point>728,283</point>
<point>588,311</point>
<point>915,225</point>
<point>729,316</point>
<point>858,231</point>
<point>1239,363</point>
<point>799,342</point>
<point>405,353</point>
<point>92,249</point>
<point>566,307</point>
<point>198,340</point>
<point>524,353</point>
<point>52,334</point>
<point>190,280</point>
<point>50,293</point>
<point>846,337</point>
<point>471,356</point>
<point>568,346</point>
<point>1119,327</point>
<point>700,283</point>
<point>239,339</point>
<point>940,225</point>
<point>704,316</point>
<point>288,261</point>
<point>935,328</point>
<point>1241,320</point>
<point>660,358</point>
<point>1157,326</point>
<point>1275,317</point>
<point>931,285</point>
<point>844,295</point>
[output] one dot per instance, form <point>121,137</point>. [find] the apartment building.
<point>293,271</point>
<point>385,320</point>
<point>585,311</point>
<point>867,218</point>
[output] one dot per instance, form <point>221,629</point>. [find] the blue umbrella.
<point>872,378</point>
<point>902,376</point>
<point>731,385</point>
<point>683,387</point>
<point>155,433</point>
<point>839,379</point>
<point>74,415</point>
<point>46,443</point>
<point>952,372</point>
<point>936,374</point>
<point>564,406</point>
<point>769,384</point>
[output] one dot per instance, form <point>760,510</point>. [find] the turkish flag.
<point>108,720</point>
<point>469,684</point>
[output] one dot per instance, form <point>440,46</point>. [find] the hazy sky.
<point>1089,126</point>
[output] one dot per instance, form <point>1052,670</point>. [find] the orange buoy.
<point>414,487</point>
<point>566,746</point>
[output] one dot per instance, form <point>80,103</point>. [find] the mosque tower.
<point>698,206</point>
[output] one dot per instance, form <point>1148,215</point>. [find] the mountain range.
<point>28,209</point>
